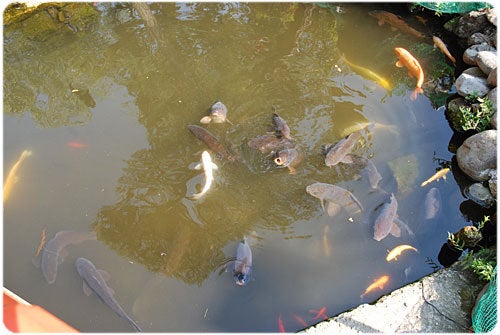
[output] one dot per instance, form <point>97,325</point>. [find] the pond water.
<point>115,160</point>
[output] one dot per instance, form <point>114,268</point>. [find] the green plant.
<point>482,262</point>
<point>478,115</point>
<point>456,242</point>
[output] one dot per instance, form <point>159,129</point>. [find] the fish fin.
<point>197,166</point>
<point>62,255</point>
<point>206,120</point>
<point>37,261</point>
<point>214,166</point>
<point>86,289</point>
<point>415,93</point>
<point>347,159</point>
<point>227,120</point>
<point>105,275</point>
<point>395,230</point>
<point>332,208</point>
<point>399,64</point>
<point>381,22</point>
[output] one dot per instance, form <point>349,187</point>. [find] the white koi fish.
<point>208,167</point>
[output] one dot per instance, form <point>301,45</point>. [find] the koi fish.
<point>211,141</point>
<point>77,145</point>
<point>370,75</point>
<point>299,320</point>
<point>395,252</point>
<point>407,60</point>
<point>335,196</point>
<point>208,167</point>
<point>432,203</point>
<point>436,176</point>
<point>281,327</point>
<point>12,176</point>
<point>441,46</point>
<point>377,284</point>
<point>395,21</point>
<point>281,127</point>
<point>243,263</point>
<point>319,314</point>
<point>338,152</point>
<point>385,221</point>
<point>42,242</point>
<point>95,280</point>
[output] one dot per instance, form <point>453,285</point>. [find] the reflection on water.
<point>128,84</point>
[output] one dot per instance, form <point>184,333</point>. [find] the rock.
<point>492,96</point>
<point>480,194</point>
<point>469,56</point>
<point>471,23</point>
<point>480,38</point>
<point>492,78</point>
<point>486,61</point>
<point>477,156</point>
<point>491,16</point>
<point>467,84</point>
<point>475,72</point>
<point>492,183</point>
<point>493,120</point>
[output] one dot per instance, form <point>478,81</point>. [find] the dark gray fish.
<point>84,95</point>
<point>218,114</point>
<point>335,196</point>
<point>211,141</point>
<point>338,152</point>
<point>269,142</point>
<point>288,158</point>
<point>385,220</point>
<point>53,251</point>
<point>95,280</point>
<point>432,203</point>
<point>280,126</point>
<point>243,263</point>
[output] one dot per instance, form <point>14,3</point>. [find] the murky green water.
<point>121,167</point>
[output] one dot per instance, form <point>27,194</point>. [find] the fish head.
<point>286,157</point>
<point>218,112</point>
<point>241,278</point>
<point>399,52</point>
<point>317,190</point>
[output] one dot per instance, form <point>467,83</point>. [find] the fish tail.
<point>416,92</point>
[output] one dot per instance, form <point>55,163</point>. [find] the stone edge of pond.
<point>440,302</point>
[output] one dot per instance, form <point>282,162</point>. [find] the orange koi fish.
<point>407,60</point>
<point>441,46</point>
<point>319,314</point>
<point>395,252</point>
<point>12,176</point>
<point>299,320</point>
<point>77,145</point>
<point>281,327</point>
<point>377,284</point>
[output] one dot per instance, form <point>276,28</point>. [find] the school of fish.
<point>281,147</point>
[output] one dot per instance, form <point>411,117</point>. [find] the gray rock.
<point>471,23</point>
<point>480,194</point>
<point>467,84</point>
<point>469,56</point>
<point>486,61</point>
<point>474,71</point>
<point>493,120</point>
<point>492,183</point>
<point>492,78</point>
<point>492,96</point>
<point>477,156</point>
<point>480,38</point>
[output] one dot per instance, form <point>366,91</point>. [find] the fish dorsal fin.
<point>86,289</point>
<point>105,275</point>
<point>399,64</point>
<point>395,230</point>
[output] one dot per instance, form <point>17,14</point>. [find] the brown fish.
<point>369,171</point>
<point>269,142</point>
<point>335,196</point>
<point>384,223</point>
<point>337,153</point>
<point>289,158</point>
<point>281,127</point>
<point>211,141</point>
<point>395,21</point>
<point>441,46</point>
<point>218,114</point>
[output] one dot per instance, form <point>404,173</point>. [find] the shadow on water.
<point>156,69</point>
